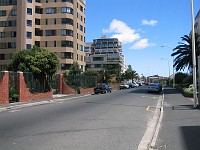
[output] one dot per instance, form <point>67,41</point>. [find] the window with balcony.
<point>67,21</point>
<point>2,34</point>
<point>97,58</point>
<point>67,55</point>
<point>2,56</point>
<point>50,32</point>
<point>13,34</point>
<point>2,12</point>
<point>66,44</point>
<point>70,1</point>
<point>67,10</point>
<point>65,66</point>
<point>50,10</point>
<point>66,32</point>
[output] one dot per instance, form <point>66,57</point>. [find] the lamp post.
<point>168,65</point>
<point>196,103</point>
<point>163,46</point>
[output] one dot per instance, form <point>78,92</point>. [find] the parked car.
<point>104,88</point>
<point>154,87</point>
<point>124,86</point>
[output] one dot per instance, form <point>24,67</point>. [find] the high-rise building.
<point>56,25</point>
<point>104,52</point>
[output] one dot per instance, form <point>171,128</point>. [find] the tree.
<point>130,73</point>
<point>38,60</point>
<point>75,69</point>
<point>183,52</point>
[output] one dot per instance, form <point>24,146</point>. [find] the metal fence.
<point>13,87</point>
<point>53,81</point>
<point>81,81</point>
<point>1,76</point>
<point>35,85</point>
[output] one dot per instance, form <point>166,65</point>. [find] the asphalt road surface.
<point>112,121</point>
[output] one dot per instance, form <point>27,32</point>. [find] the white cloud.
<point>126,34</point>
<point>150,22</point>
<point>121,31</point>
<point>141,44</point>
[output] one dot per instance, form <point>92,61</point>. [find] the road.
<point>112,121</point>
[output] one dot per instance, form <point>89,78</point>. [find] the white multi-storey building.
<point>104,52</point>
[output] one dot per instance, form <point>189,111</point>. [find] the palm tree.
<point>183,52</point>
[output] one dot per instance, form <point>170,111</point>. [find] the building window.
<point>29,11</point>
<point>2,13</point>
<point>29,23</point>
<point>11,23</point>
<point>28,46</point>
<point>2,34</point>
<point>65,66</point>
<point>71,1</point>
<point>81,47</point>
<point>50,32</point>
<point>55,22</point>
<point>37,43</point>
<point>66,55</point>
<point>37,21</point>
<point>11,44</point>
<point>66,32</point>
<point>2,56</point>
<point>29,1</point>
<point>77,56</point>
<point>67,10</point>
<point>50,10</point>
<point>46,21</point>
<point>97,58</point>
<point>66,44</point>
<point>8,2</point>
<point>55,44</point>
<point>29,35</point>
<point>46,43</point>
<point>67,21</point>
<point>13,34</point>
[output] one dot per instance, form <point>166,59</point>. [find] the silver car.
<point>154,87</point>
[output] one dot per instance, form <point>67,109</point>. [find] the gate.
<point>53,81</point>
<point>13,87</point>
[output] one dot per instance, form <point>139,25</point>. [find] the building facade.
<point>197,23</point>
<point>56,25</point>
<point>104,52</point>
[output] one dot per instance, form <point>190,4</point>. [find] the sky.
<point>148,29</point>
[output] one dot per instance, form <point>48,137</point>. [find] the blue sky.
<point>143,26</point>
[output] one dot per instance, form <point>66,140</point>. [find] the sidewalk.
<point>180,125</point>
<point>56,98</point>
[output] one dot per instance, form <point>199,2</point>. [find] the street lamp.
<point>163,46</point>
<point>196,103</point>
<point>168,65</point>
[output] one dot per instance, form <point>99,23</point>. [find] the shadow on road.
<point>170,91</point>
<point>183,107</point>
<point>191,137</point>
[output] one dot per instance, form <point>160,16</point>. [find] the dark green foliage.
<point>183,53</point>
<point>39,61</point>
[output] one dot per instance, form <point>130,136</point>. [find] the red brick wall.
<point>26,95</point>
<point>67,89</point>
<point>4,88</point>
<point>88,90</point>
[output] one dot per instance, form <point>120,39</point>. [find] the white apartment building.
<point>103,52</point>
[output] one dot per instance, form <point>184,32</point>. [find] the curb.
<point>152,127</point>
<point>42,102</point>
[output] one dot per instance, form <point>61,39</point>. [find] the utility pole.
<point>196,103</point>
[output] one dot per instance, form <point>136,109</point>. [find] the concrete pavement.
<point>180,124</point>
